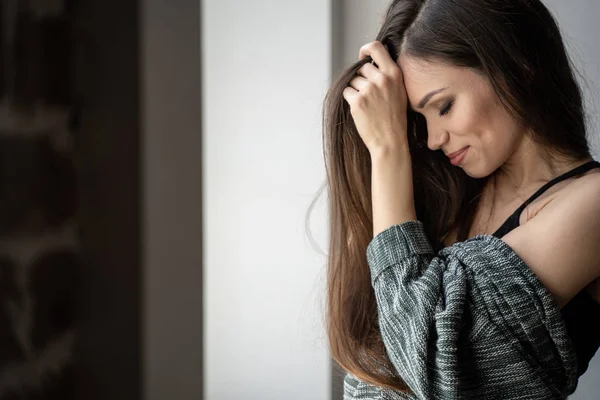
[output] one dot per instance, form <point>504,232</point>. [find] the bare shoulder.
<point>561,243</point>
<point>588,182</point>
<point>581,192</point>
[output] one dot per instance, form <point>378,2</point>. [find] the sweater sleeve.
<point>472,321</point>
<point>355,389</point>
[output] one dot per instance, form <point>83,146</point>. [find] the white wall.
<point>266,67</point>
<point>360,21</point>
<point>579,22</point>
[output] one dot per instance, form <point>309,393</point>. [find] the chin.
<point>476,170</point>
<point>472,174</point>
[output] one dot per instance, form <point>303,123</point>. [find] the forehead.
<point>418,72</point>
<point>423,76</point>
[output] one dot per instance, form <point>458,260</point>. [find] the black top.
<point>582,309</point>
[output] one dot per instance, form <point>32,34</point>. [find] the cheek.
<point>466,121</point>
<point>476,124</point>
<point>497,140</point>
<point>477,120</point>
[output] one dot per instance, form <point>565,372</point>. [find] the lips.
<point>456,153</point>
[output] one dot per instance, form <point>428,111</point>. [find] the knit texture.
<point>472,322</point>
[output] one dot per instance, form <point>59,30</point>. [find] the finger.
<point>350,94</point>
<point>359,83</point>
<point>363,50</point>
<point>379,53</point>
<point>369,71</point>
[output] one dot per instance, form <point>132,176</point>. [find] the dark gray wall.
<point>172,199</point>
<point>108,152</point>
<point>141,202</point>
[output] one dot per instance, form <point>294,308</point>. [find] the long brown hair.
<point>518,46</point>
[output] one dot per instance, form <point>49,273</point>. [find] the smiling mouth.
<point>456,153</point>
<point>459,156</point>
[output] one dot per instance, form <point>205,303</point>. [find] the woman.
<point>458,162</point>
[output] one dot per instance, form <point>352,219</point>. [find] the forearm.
<point>472,319</point>
<point>391,189</point>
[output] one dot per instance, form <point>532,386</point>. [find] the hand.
<point>378,101</point>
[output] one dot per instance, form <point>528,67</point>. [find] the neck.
<point>529,167</point>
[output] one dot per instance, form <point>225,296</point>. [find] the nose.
<point>436,139</point>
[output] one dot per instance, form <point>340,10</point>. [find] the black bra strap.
<point>512,221</point>
<point>569,174</point>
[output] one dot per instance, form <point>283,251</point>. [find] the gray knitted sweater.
<point>471,322</point>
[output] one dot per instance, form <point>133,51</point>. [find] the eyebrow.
<point>428,96</point>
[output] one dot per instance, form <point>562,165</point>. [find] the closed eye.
<point>446,109</point>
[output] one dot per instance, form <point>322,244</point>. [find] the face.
<point>463,112</point>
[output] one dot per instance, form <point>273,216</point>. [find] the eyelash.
<point>446,108</point>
